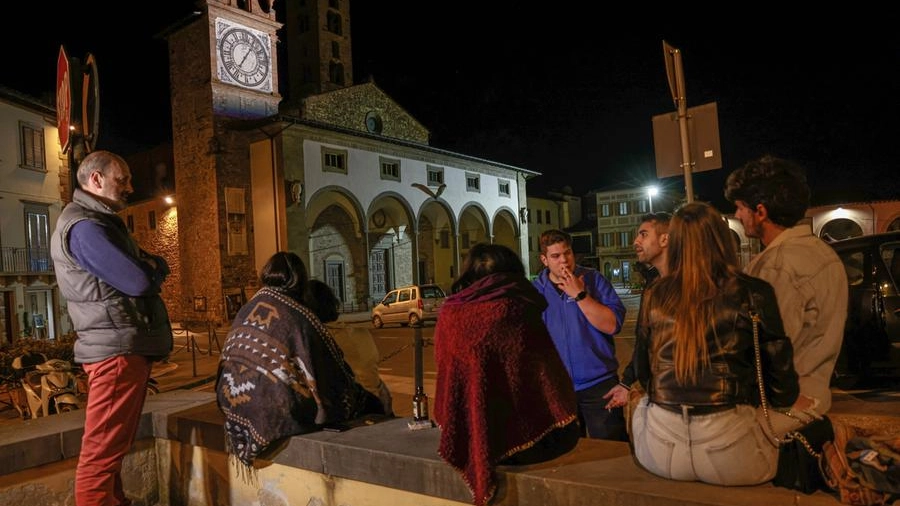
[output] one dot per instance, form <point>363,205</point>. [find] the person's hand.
<point>570,284</point>
<point>617,397</point>
<point>804,409</point>
<point>158,264</point>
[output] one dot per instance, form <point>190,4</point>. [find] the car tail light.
<point>421,306</point>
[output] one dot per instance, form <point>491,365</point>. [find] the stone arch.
<point>474,226</point>
<point>894,225</point>
<point>435,252</point>
<point>337,253</point>
<point>505,229</point>
<point>840,228</point>
<point>334,195</point>
<point>397,211</point>
<point>390,232</point>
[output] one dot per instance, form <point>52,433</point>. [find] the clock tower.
<point>223,67</point>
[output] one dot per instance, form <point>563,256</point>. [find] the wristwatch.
<point>581,295</point>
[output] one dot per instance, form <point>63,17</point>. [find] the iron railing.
<point>25,260</point>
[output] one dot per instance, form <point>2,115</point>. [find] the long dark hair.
<point>286,271</point>
<point>484,259</point>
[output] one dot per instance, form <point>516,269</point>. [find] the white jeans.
<point>725,448</point>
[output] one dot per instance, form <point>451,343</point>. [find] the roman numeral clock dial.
<point>243,56</point>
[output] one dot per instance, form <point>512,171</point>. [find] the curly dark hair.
<point>776,183</point>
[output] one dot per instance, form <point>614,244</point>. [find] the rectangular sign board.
<point>703,133</point>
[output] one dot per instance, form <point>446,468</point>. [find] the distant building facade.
<point>32,175</point>
<point>540,215</point>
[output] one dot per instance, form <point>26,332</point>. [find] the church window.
<point>390,169</point>
<point>435,176</point>
<point>334,160</point>
<point>503,187</point>
<point>473,182</point>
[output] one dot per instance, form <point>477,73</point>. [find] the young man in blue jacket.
<point>583,313</point>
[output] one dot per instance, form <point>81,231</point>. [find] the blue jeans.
<point>597,422</point>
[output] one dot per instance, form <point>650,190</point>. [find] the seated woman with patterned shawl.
<point>502,395</point>
<point>281,373</point>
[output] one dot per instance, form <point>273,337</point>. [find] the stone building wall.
<point>349,108</point>
<point>154,225</point>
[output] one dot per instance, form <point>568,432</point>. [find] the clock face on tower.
<point>243,56</point>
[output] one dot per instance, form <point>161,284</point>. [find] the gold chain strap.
<point>790,436</point>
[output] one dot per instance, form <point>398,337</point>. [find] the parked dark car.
<point>871,345</point>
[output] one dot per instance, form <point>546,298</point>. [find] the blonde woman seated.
<point>357,343</point>
<point>695,356</point>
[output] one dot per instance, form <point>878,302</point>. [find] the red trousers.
<point>117,388</point>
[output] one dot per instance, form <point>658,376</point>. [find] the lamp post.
<point>651,192</point>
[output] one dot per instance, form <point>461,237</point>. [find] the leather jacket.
<point>731,378</point>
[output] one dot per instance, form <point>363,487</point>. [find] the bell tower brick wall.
<point>211,159</point>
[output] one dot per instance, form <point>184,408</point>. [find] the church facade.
<point>344,177</point>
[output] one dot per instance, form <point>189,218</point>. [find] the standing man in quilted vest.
<point>112,289</point>
<point>771,196</point>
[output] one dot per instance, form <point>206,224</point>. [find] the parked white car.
<point>409,305</point>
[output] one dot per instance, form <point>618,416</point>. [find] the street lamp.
<point>651,191</point>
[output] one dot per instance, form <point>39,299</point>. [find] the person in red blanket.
<point>503,395</point>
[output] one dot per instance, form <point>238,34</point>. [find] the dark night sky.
<point>564,93</point>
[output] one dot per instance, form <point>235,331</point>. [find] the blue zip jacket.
<point>589,355</point>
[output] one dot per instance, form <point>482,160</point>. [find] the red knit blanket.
<point>501,385</point>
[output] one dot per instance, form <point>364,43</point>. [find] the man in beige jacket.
<point>771,196</point>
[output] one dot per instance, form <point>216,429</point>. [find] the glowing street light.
<point>651,192</point>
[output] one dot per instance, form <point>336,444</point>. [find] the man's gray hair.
<point>97,161</point>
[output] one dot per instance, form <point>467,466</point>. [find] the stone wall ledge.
<point>386,457</point>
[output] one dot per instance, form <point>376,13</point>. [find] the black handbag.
<point>798,458</point>
<point>799,451</point>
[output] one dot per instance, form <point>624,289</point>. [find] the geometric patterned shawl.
<point>282,374</point>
